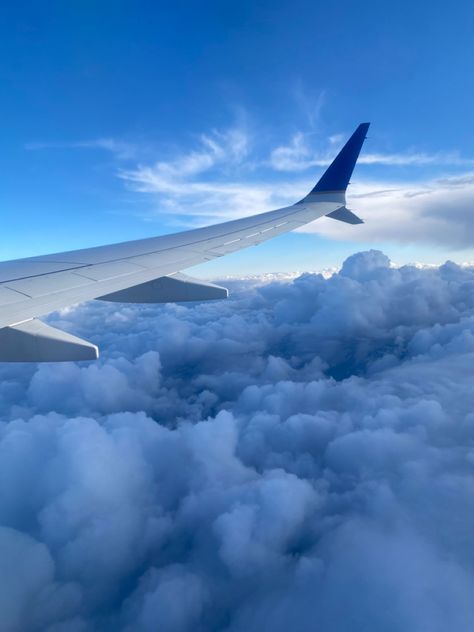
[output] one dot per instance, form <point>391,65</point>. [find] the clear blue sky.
<point>123,120</point>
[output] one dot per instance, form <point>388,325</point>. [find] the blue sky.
<point>127,119</point>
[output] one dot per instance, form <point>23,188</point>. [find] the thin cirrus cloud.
<point>201,186</point>
<point>228,175</point>
<point>298,155</point>
<point>121,149</point>
<point>305,446</point>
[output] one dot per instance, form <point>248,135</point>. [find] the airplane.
<point>146,270</point>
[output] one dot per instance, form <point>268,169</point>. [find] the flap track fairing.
<point>175,288</point>
<point>34,341</point>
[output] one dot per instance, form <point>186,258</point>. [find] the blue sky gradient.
<point>123,120</point>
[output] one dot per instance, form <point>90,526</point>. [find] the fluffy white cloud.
<point>299,456</point>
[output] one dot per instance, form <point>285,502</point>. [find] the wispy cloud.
<point>121,149</point>
<point>310,103</point>
<point>201,183</point>
<point>416,159</point>
<point>231,173</point>
<point>299,155</point>
<point>216,180</point>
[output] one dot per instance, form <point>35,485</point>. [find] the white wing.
<point>145,270</point>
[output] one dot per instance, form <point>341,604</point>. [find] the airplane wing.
<point>146,270</point>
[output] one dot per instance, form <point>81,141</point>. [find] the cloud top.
<point>300,453</point>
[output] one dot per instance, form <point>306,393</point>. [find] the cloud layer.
<point>298,457</point>
<point>434,212</point>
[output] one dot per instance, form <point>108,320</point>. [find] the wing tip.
<point>337,175</point>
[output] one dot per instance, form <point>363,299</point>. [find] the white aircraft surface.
<point>146,270</point>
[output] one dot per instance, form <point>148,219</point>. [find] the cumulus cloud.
<point>297,457</point>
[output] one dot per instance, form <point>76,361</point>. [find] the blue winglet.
<point>338,174</point>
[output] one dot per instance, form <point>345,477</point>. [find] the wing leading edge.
<point>146,270</point>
